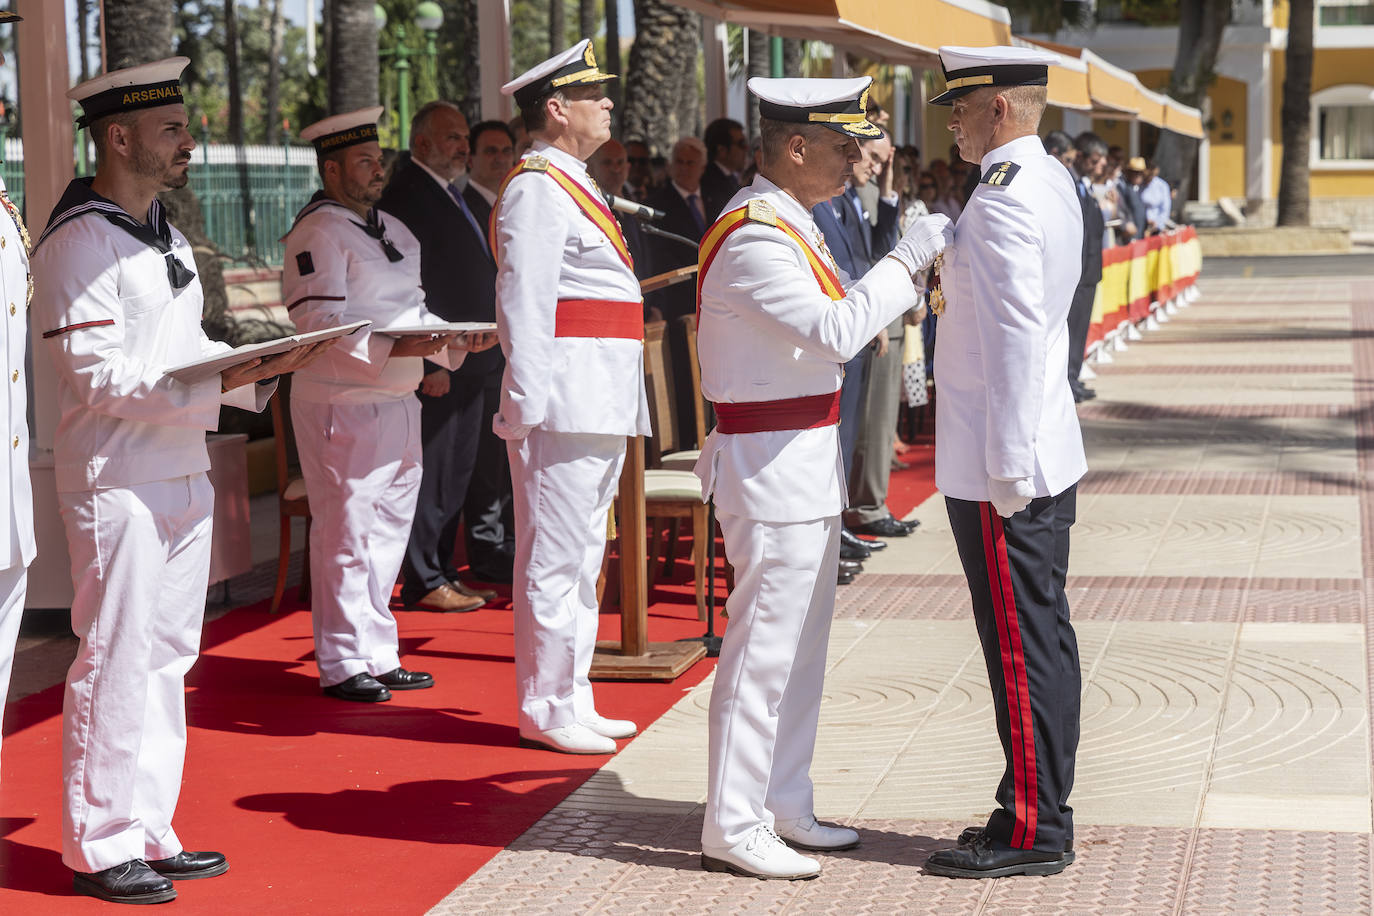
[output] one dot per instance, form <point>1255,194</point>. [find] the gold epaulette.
<point>534,164</point>
<point>1001,174</point>
<point>761,211</point>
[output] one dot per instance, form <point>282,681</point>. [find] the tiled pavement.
<point>1222,568</point>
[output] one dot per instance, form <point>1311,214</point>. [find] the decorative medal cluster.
<point>13,211</point>
<point>937,295</point>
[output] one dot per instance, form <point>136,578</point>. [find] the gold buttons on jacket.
<point>12,308</point>
<point>16,441</point>
<point>2,241</point>
<point>15,376</point>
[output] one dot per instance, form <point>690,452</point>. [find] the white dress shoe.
<point>809,833</point>
<point>760,855</point>
<point>569,739</point>
<point>609,728</point>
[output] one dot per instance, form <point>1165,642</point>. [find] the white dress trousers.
<point>564,484</point>
<point>12,586</point>
<point>140,564</point>
<point>362,467</point>
<point>766,700</point>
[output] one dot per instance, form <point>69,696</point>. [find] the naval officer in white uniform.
<point>117,302</point>
<point>777,324</point>
<point>1008,451</point>
<point>355,413</point>
<point>17,547</point>
<point>570,316</point>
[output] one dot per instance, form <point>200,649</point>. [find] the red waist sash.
<point>809,412</point>
<point>599,318</point>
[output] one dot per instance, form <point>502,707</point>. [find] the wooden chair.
<point>670,495</point>
<point>292,501</point>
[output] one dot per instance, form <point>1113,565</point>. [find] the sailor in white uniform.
<point>356,417</point>
<point>570,316</point>
<point>117,302</point>
<point>776,326</point>
<point>1008,451</point>
<point>17,547</point>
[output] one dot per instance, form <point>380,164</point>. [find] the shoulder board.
<point>534,164</point>
<point>1001,174</point>
<point>761,211</point>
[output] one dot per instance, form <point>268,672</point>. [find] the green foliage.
<point>200,36</point>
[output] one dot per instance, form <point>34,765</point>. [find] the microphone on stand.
<point>631,207</point>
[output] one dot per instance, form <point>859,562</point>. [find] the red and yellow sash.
<point>594,209</point>
<point>760,211</point>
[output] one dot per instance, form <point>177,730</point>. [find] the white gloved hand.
<point>926,238</point>
<point>506,432</point>
<point>1009,497</point>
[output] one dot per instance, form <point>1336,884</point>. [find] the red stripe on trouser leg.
<point>1019,718</point>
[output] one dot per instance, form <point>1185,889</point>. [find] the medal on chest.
<point>13,211</point>
<point>937,295</point>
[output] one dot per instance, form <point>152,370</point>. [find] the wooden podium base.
<point>663,661</point>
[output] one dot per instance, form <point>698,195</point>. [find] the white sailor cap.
<point>340,131</point>
<point>574,67</point>
<point>967,69</point>
<point>840,105</point>
<point>131,89</point>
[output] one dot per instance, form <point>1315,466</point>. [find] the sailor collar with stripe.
<point>373,227</point>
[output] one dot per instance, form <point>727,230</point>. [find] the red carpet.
<point>324,806</point>
<point>331,807</point>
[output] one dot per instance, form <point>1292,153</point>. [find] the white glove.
<point>506,432</point>
<point>1009,497</point>
<point>926,238</point>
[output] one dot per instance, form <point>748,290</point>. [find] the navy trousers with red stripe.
<point>1016,569</point>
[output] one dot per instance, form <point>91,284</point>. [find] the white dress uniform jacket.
<point>768,332</point>
<point>1005,409</point>
<point>17,547</point>
<point>561,384</point>
<point>357,424</point>
<point>137,506</point>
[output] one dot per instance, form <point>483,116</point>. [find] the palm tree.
<point>137,32</point>
<point>558,29</point>
<point>1296,117</point>
<point>661,85</point>
<point>352,55</point>
<point>1200,26</point>
<point>272,103</point>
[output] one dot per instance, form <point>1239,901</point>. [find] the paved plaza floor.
<point>1220,582</point>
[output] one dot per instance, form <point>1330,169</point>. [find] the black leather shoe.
<point>853,540</point>
<point>187,865</point>
<point>887,527</point>
<point>909,524</point>
<point>987,858</point>
<point>132,882</point>
<point>853,566</point>
<point>360,688</point>
<point>853,547</point>
<point>844,578</point>
<point>401,679</point>
<point>969,834</point>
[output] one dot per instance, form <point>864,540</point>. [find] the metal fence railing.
<point>280,182</point>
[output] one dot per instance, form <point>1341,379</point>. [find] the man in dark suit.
<point>1132,208</point>
<point>1087,168</point>
<point>609,167</point>
<point>727,151</point>
<point>459,279</point>
<point>684,214</point>
<point>488,511</point>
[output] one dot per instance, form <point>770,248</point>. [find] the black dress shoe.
<point>985,857</point>
<point>909,524</point>
<point>401,679</point>
<point>853,547</point>
<point>187,865</point>
<point>844,578</point>
<point>852,539</point>
<point>887,527</point>
<point>360,688</point>
<point>132,882</point>
<point>969,834</point>
<point>853,566</point>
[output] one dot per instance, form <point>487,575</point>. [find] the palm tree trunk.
<point>138,32</point>
<point>660,84</point>
<point>558,27</point>
<point>83,44</point>
<point>1296,116</point>
<point>614,88</point>
<point>272,103</point>
<point>352,55</point>
<point>231,65</point>
<point>586,18</point>
<point>757,52</point>
<point>1200,28</point>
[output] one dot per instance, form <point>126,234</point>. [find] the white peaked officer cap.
<point>967,69</point>
<point>339,131</point>
<point>841,105</point>
<point>131,89</point>
<point>574,67</point>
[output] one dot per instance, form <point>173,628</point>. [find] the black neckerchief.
<point>79,200</point>
<point>373,227</point>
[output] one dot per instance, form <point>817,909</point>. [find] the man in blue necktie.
<point>459,279</point>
